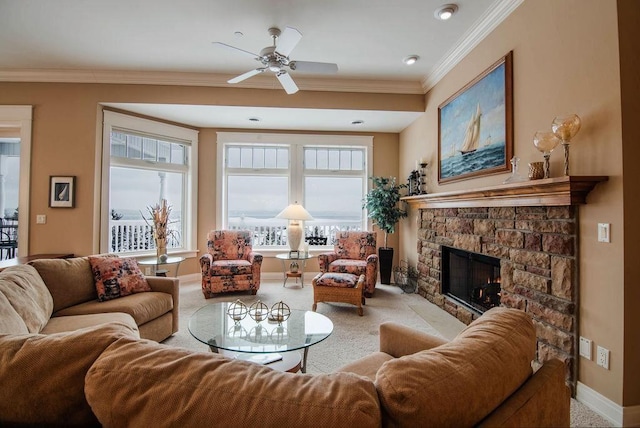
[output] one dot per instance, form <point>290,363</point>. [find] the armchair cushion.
<point>231,267</point>
<point>229,244</point>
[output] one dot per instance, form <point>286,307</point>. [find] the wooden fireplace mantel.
<point>567,190</point>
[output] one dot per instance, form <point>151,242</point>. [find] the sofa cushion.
<point>141,383</point>
<point>10,322</point>
<point>42,376</point>
<point>76,322</point>
<point>69,281</point>
<point>143,307</point>
<point>476,371</point>
<point>117,277</point>
<point>27,294</point>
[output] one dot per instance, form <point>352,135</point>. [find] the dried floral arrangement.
<point>160,222</point>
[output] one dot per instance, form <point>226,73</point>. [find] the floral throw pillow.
<point>117,277</point>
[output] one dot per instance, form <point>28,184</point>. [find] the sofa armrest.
<point>398,340</point>
<point>542,401</point>
<point>169,286</point>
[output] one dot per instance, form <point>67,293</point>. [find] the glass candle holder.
<point>565,128</point>
<point>545,142</point>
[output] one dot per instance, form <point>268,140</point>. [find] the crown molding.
<point>497,13</point>
<point>206,79</point>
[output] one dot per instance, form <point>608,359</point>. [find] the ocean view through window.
<point>147,161</point>
<point>260,176</point>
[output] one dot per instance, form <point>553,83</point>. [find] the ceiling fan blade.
<point>314,67</point>
<point>246,75</point>
<point>287,82</point>
<point>233,48</point>
<point>288,40</point>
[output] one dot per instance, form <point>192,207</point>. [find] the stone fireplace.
<point>531,229</point>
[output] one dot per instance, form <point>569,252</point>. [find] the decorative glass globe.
<point>545,142</point>
<point>565,128</point>
<point>258,311</point>
<point>237,311</point>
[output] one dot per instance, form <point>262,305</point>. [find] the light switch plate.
<point>585,348</point>
<point>604,232</point>
<point>41,219</point>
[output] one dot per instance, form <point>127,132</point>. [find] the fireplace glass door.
<point>471,279</point>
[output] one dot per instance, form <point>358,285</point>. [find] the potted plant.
<point>382,205</point>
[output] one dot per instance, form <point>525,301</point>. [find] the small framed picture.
<point>62,191</point>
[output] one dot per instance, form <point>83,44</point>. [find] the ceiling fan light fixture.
<point>411,59</point>
<point>445,12</point>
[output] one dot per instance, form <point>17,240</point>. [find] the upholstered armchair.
<point>230,263</point>
<point>354,252</point>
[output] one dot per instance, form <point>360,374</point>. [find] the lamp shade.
<point>295,212</point>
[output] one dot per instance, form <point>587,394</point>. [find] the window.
<point>144,162</point>
<point>260,174</point>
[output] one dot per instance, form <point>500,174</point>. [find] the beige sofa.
<point>105,375</point>
<point>59,295</point>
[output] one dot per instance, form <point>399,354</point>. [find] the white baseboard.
<point>619,416</point>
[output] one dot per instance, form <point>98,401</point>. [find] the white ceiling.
<point>146,41</point>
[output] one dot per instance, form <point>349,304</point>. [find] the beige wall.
<point>565,60</point>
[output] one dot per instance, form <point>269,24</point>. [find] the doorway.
<point>15,160</point>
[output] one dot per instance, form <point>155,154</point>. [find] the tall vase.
<point>161,247</point>
<point>385,258</point>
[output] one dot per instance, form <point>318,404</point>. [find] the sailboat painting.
<point>475,126</point>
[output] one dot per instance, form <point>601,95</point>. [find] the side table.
<point>159,264</point>
<point>295,269</point>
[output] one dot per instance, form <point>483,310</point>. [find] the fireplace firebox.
<point>471,279</point>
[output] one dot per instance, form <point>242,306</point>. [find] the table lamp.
<point>295,213</point>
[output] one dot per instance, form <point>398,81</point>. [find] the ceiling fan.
<point>276,59</point>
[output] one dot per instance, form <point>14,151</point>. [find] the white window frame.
<point>189,137</point>
<point>296,173</point>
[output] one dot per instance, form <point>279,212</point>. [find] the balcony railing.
<point>266,233</point>
<point>137,235</point>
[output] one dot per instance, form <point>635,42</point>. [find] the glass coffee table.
<point>265,342</point>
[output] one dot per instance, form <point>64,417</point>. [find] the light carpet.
<point>353,336</point>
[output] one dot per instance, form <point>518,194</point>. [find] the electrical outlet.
<point>147,271</point>
<point>603,357</point>
<point>585,348</point>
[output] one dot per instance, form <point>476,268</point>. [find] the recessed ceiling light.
<point>254,119</point>
<point>445,12</point>
<point>411,59</point>
<point>357,122</point>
